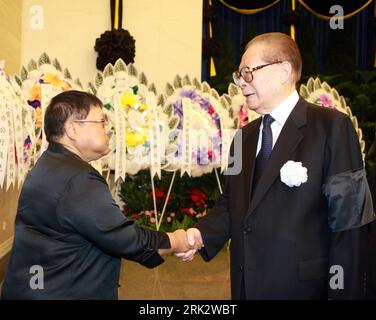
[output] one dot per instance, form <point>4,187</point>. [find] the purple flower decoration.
<point>26,148</point>
<point>202,156</point>
<point>191,94</point>
<point>34,103</point>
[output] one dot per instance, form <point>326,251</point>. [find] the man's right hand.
<point>194,239</point>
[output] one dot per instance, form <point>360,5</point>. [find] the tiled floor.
<point>176,280</point>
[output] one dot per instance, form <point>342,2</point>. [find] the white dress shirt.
<point>280,115</point>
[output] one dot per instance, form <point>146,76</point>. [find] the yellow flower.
<point>38,118</point>
<point>128,99</point>
<point>53,79</point>
<point>65,86</point>
<point>35,93</point>
<point>143,107</point>
<point>133,138</point>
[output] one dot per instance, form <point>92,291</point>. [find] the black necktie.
<point>266,146</point>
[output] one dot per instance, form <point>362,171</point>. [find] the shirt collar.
<point>57,147</point>
<point>283,110</point>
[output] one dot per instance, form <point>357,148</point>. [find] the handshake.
<point>184,243</point>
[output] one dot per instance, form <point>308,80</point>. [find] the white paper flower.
<point>293,174</point>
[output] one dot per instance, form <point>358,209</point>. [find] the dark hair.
<point>279,47</point>
<point>69,104</point>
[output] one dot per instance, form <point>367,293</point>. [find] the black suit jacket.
<point>68,224</point>
<point>285,239</point>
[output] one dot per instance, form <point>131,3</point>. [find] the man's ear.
<point>70,130</point>
<point>286,72</point>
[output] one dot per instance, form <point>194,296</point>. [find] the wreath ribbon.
<point>116,14</point>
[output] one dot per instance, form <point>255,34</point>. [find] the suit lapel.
<point>248,159</point>
<point>287,142</point>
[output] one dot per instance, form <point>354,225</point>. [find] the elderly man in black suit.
<point>297,213</point>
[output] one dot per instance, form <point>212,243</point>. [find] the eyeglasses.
<point>247,74</point>
<point>103,121</point>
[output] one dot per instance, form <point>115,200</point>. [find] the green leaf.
<point>310,85</point>
<point>232,90</point>
<point>98,80</point>
<point>172,124</point>
<point>169,89</point>
<point>120,65</point>
<point>228,98</point>
<point>223,102</point>
<point>32,65</point>
<point>197,84</point>
<point>316,84</point>
<point>205,87</point>
<point>161,100</point>
<point>231,112</point>
<point>92,88</point>
<point>152,88</point>
<point>67,74</point>
<point>78,82</point>
<point>168,110</point>
<point>24,73</point>
<point>187,81</point>
<point>303,91</point>
<point>57,65</point>
<point>177,82</point>
<point>107,106</point>
<point>18,80</point>
<point>44,59</point>
<point>215,94</point>
<point>132,71</point>
<point>135,89</point>
<point>108,70</point>
<point>143,79</point>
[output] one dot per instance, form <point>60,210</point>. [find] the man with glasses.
<point>70,235</point>
<point>298,212</point>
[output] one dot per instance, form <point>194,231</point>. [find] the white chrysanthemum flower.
<point>293,174</point>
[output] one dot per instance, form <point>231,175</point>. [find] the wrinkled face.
<point>92,136</point>
<point>265,91</point>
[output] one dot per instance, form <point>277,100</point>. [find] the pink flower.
<point>243,115</point>
<point>189,211</point>
<point>152,220</point>
<point>199,215</point>
<point>325,101</point>
<point>168,219</point>
<point>147,213</point>
<point>172,214</point>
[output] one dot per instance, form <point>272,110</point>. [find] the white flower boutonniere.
<point>293,174</point>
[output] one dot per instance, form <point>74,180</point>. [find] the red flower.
<point>160,195</point>
<point>198,197</point>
